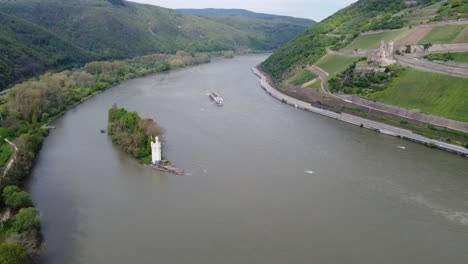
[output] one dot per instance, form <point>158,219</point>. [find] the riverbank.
<point>265,83</point>
<point>29,107</point>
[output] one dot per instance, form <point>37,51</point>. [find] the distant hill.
<point>53,34</point>
<point>120,29</point>
<point>241,13</point>
<point>27,50</point>
<point>272,31</point>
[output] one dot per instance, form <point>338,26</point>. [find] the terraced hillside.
<point>335,64</point>
<point>445,35</point>
<point>336,32</point>
<point>372,41</point>
<point>436,88</point>
<point>427,92</point>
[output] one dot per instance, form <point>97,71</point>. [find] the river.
<point>265,183</point>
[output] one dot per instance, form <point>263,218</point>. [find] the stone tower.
<point>391,50</point>
<point>156,155</point>
<point>385,55</point>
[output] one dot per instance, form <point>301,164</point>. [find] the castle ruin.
<point>384,56</point>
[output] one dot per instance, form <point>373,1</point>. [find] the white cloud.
<point>313,9</point>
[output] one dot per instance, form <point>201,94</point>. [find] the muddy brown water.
<point>266,183</point>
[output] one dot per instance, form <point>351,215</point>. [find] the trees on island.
<point>132,133</point>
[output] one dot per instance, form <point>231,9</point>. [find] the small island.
<point>141,138</point>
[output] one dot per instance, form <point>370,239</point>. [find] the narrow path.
<point>348,53</point>
<point>323,75</point>
<point>12,159</point>
<point>355,120</point>
<point>309,83</point>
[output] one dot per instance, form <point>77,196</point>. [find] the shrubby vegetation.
<point>452,9</point>
<point>362,83</point>
<point>132,133</point>
<point>388,21</point>
<point>457,57</point>
<point>440,57</point>
<point>16,199</point>
<point>5,153</point>
<point>12,254</point>
<point>29,106</point>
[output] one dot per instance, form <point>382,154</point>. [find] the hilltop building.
<point>384,56</point>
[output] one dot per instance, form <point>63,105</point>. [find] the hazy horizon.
<point>311,9</point>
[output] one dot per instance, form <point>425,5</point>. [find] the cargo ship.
<point>216,98</point>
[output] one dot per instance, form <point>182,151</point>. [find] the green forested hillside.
<point>125,29</point>
<point>37,35</point>
<point>26,50</point>
<point>337,31</point>
<point>271,31</point>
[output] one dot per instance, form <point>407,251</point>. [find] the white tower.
<point>156,151</point>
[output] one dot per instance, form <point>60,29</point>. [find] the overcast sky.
<point>313,9</point>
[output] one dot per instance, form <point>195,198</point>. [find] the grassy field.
<point>301,77</point>
<point>443,35</point>
<point>430,93</point>
<point>5,153</point>
<point>462,37</point>
<point>334,64</point>
<point>373,41</point>
<point>460,57</point>
<point>316,86</point>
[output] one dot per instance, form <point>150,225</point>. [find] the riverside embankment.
<point>355,120</point>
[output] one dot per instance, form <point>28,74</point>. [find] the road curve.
<point>355,120</point>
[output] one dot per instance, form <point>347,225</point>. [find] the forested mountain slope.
<point>26,50</point>
<point>37,35</point>
<point>272,31</point>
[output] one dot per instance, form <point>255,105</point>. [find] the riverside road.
<point>355,120</point>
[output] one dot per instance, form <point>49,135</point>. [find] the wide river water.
<point>266,183</point>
